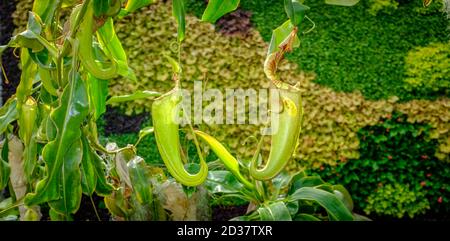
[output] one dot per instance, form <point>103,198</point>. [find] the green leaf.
<point>140,178</point>
<point>230,162</point>
<point>305,217</point>
<point>101,7</point>
<point>31,38</point>
<point>133,5</point>
<point>63,155</point>
<point>306,181</point>
<point>281,181</point>
<point>98,92</point>
<point>222,182</point>
<point>5,170</point>
<point>292,207</point>
<point>6,212</point>
<point>280,34</point>
<point>335,207</point>
<point>46,9</point>
<point>8,114</point>
<point>112,46</point>
<point>217,8</point>
<point>295,11</point>
<point>145,132</point>
<point>144,94</point>
<point>88,175</point>
<point>175,65</point>
<point>26,78</point>
<point>93,172</point>
<point>179,12</point>
<point>346,3</point>
<point>274,212</point>
<point>344,195</point>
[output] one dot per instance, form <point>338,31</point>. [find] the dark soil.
<point>225,213</point>
<point>118,123</point>
<point>235,23</point>
<point>10,62</point>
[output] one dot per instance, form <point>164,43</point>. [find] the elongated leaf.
<point>281,181</point>
<point>145,132</point>
<point>346,3</point>
<point>335,207</point>
<point>217,8</point>
<point>135,96</point>
<point>133,5</point>
<point>8,114</point>
<point>98,92</point>
<point>103,187</point>
<point>63,155</point>
<point>222,182</point>
<point>292,207</point>
<point>5,170</point>
<point>30,157</point>
<point>229,161</point>
<point>88,175</point>
<point>93,172</point>
<point>295,11</point>
<point>311,181</point>
<point>141,180</point>
<point>26,78</point>
<point>121,160</point>
<point>280,34</point>
<point>179,12</point>
<point>274,212</point>
<point>111,44</point>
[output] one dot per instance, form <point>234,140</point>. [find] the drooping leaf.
<point>217,8</point>
<point>335,208</point>
<point>135,96</point>
<point>5,170</point>
<point>8,114</point>
<point>26,78</point>
<point>276,211</point>
<point>121,167</point>
<point>111,44</point>
<point>299,181</point>
<point>179,12</point>
<point>295,11</point>
<point>88,175</point>
<point>229,161</point>
<point>222,182</point>
<point>305,217</point>
<point>62,156</point>
<point>280,34</point>
<point>45,9</point>
<point>145,132</point>
<point>103,187</point>
<point>346,3</point>
<point>281,181</point>
<point>133,5</point>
